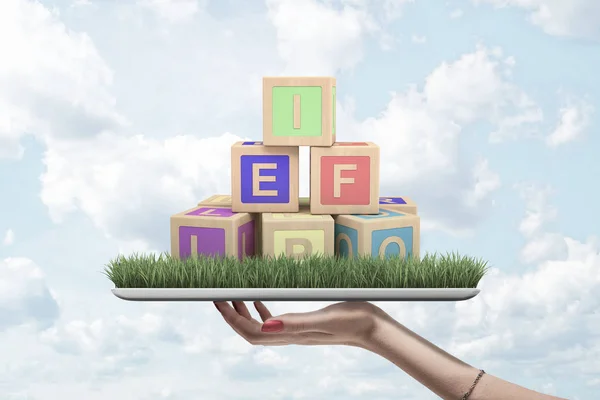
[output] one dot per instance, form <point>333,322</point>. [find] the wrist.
<point>442,373</point>
<point>375,318</point>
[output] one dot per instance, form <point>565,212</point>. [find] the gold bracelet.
<point>466,395</point>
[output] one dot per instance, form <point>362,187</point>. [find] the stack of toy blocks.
<point>264,214</point>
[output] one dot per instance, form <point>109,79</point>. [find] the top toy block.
<point>299,111</point>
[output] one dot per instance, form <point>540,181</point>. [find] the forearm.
<point>443,374</point>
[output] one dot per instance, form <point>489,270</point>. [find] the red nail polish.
<point>272,326</point>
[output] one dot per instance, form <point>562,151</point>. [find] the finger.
<point>263,311</point>
<point>249,330</point>
<point>237,322</point>
<point>241,308</point>
<point>260,338</point>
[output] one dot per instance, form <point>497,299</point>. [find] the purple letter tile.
<point>210,241</point>
<point>281,183</point>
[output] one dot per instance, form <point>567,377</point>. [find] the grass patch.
<point>432,271</point>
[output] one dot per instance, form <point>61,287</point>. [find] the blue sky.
<point>115,115</point>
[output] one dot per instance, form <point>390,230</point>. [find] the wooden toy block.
<point>214,231</point>
<point>264,179</point>
<point>401,204</point>
<point>297,234</point>
<point>218,200</point>
<point>388,233</point>
<point>299,111</point>
<point>344,178</point>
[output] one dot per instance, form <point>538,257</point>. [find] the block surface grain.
<point>299,111</point>
<point>344,178</point>
<point>210,230</point>
<point>388,233</point>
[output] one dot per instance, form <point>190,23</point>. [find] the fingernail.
<point>272,326</point>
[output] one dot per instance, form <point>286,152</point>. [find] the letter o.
<point>390,240</point>
<point>338,240</point>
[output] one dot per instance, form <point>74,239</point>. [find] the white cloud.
<point>24,295</point>
<point>270,357</point>
<point>475,87</point>
<point>124,180</point>
<point>9,237</point>
<point>235,345</point>
<point>370,386</point>
<point>538,211</point>
<point>54,82</point>
<point>423,152</point>
<point>574,119</point>
<point>486,182</point>
<point>393,9</point>
<point>594,382</point>
<point>333,33</point>
<point>330,39</point>
<point>543,247</point>
<point>108,337</point>
<point>542,314</point>
<point>97,354</point>
<point>579,18</point>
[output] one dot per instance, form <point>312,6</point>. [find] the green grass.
<point>432,271</point>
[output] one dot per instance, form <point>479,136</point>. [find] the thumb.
<point>314,321</point>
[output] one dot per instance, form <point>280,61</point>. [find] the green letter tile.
<point>310,110</point>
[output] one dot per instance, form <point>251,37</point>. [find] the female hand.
<point>348,323</point>
<point>367,326</point>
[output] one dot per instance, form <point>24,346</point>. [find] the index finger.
<point>243,326</point>
<point>263,311</point>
